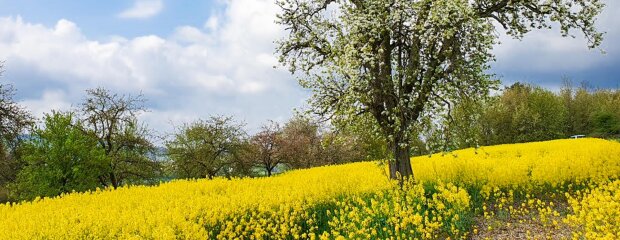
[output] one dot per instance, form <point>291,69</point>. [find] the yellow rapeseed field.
<point>597,214</point>
<point>352,201</point>
<point>188,209</point>
<point>524,165</point>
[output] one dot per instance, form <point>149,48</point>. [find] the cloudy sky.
<point>192,59</point>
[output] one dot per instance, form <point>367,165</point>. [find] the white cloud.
<point>195,72</point>
<point>143,9</point>
<point>51,99</point>
<point>223,67</point>
<point>188,34</point>
<point>212,23</point>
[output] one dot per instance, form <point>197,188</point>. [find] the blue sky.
<point>99,19</point>
<point>192,59</point>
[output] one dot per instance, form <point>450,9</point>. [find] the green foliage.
<point>593,112</point>
<point>206,148</point>
<point>522,113</point>
<point>606,124</point>
<point>526,113</point>
<point>59,158</point>
<point>464,126</point>
<point>581,107</point>
<point>537,114</point>
<point>605,115</point>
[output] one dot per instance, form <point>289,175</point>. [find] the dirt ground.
<point>513,229</point>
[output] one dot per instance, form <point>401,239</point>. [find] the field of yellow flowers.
<point>562,184</point>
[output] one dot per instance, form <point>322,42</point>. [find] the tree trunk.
<point>400,166</point>
<point>113,180</point>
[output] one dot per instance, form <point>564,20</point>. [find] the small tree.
<point>398,60</point>
<point>268,147</point>
<point>206,148</point>
<point>301,143</point>
<point>59,158</point>
<point>112,119</point>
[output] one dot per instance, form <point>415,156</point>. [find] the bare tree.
<point>301,143</point>
<point>268,143</point>
<point>112,119</point>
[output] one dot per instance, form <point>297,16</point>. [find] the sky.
<point>193,59</point>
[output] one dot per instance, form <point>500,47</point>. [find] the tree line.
<point>219,146</point>
<point>102,144</point>
<point>527,113</point>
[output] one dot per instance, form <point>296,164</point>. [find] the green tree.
<point>537,114</point>
<point>551,112</point>
<point>465,124</point>
<point>397,59</point>
<point>59,158</point>
<point>606,124</point>
<point>582,111</point>
<point>246,163</point>
<point>522,113</point>
<point>112,119</point>
<point>567,94</point>
<point>605,116</point>
<point>591,111</point>
<point>206,148</point>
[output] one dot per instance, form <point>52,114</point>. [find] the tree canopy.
<point>59,158</point>
<point>206,148</point>
<point>112,119</point>
<point>267,145</point>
